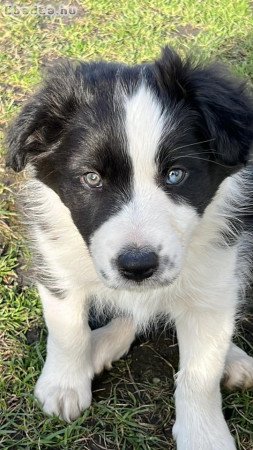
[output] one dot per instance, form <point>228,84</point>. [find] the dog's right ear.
<point>40,125</point>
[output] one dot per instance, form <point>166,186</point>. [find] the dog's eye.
<point>175,176</point>
<point>92,179</point>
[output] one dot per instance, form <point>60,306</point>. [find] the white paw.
<point>65,397</point>
<point>105,351</point>
<point>239,370</point>
<point>110,343</point>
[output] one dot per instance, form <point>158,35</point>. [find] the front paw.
<point>238,371</point>
<point>63,395</point>
<point>200,438</point>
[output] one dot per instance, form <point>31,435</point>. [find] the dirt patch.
<point>186,31</point>
<point>33,335</point>
<point>153,360</point>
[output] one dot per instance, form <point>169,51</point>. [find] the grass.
<point>133,404</point>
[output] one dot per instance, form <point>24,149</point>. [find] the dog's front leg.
<point>64,386</point>
<point>204,338</point>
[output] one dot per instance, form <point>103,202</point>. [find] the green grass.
<point>133,404</point>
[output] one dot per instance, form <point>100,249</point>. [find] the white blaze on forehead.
<point>145,122</point>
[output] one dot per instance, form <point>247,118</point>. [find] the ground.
<point>133,403</point>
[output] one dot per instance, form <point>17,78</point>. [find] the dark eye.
<point>92,179</point>
<point>175,176</point>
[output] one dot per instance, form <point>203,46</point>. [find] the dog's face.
<point>136,154</point>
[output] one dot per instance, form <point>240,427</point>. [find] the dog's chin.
<point>120,283</point>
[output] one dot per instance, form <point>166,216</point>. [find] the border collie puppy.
<point>139,198</point>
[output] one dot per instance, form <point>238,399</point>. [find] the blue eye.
<point>175,176</point>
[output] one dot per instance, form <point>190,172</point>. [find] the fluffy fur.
<point>137,244</point>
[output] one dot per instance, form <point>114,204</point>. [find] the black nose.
<point>137,264</point>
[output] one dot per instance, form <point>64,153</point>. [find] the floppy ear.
<point>40,125</point>
<point>223,103</point>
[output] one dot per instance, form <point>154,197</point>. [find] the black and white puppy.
<point>139,198</point>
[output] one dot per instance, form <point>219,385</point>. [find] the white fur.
<point>111,342</point>
<point>202,300</point>
<point>145,123</point>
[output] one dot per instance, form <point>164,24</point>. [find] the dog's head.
<point>136,154</point>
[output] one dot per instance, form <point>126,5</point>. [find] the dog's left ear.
<point>225,106</point>
<point>228,113</point>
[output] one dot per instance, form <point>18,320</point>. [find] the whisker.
<point>205,152</point>
<point>203,159</point>
<point>47,175</point>
<point>184,155</point>
<point>191,145</point>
